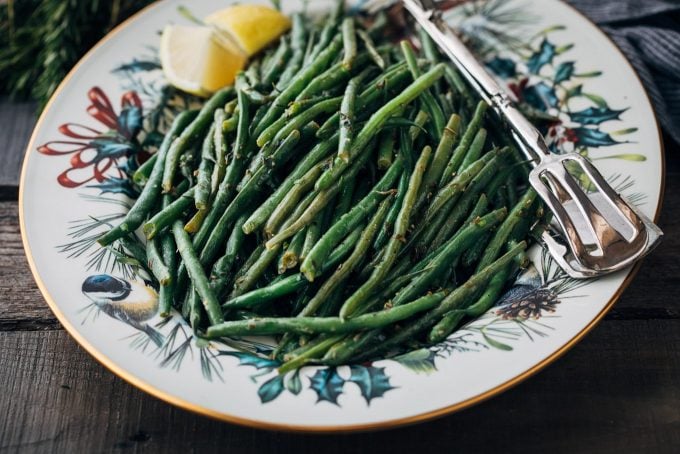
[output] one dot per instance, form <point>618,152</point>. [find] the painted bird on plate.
<point>132,303</point>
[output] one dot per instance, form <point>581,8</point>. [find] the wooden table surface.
<point>617,391</point>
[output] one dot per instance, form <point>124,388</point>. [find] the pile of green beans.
<point>348,197</point>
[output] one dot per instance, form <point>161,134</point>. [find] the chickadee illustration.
<point>132,303</point>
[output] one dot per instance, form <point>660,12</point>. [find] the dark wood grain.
<point>17,120</point>
<point>613,393</point>
<point>617,391</point>
<point>22,304</point>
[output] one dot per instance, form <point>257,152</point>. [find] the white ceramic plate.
<point>74,180</point>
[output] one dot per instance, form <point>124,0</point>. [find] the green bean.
<point>322,199</point>
<point>451,302</point>
<point>450,252</point>
<point>295,282</point>
<point>313,231</point>
<point>370,48</point>
<point>354,302</point>
<point>428,45</point>
<point>278,63</point>
<point>309,47</point>
<point>154,260</point>
<point>390,80</point>
<point>475,150</point>
<point>233,173</point>
<point>457,82</point>
<point>326,34</point>
<point>141,175</point>
<point>439,160</point>
<point>387,228</point>
<point>289,259</point>
<point>169,214</point>
<point>297,84</point>
<point>195,310</point>
<point>386,150</point>
<point>196,273</point>
<point>452,191</point>
<point>298,38</point>
<point>313,325</point>
<point>472,193</point>
<point>264,211</point>
<point>220,276</point>
<point>473,254</point>
<point>376,121</point>
<point>248,280</point>
<point>230,124</point>
<point>252,73</point>
<point>247,194</point>
<point>220,152</point>
<point>149,196</point>
<point>430,103</point>
<point>284,126</point>
<point>461,150</point>
<point>313,262</point>
<point>205,171</point>
<point>291,198</point>
<point>521,210</point>
<point>347,116</point>
<point>343,271</point>
<point>344,351</point>
<point>187,138</point>
<point>349,41</point>
<point>167,292</point>
<point>450,321</point>
<point>298,360</point>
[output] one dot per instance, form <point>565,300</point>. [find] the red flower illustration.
<point>95,153</point>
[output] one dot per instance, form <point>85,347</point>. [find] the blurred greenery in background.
<point>41,40</point>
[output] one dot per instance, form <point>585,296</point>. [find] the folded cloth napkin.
<point>648,32</point>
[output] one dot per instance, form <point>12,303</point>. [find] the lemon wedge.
<point>195,59</point>
<point>251,27</point>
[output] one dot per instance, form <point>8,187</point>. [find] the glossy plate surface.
<point>74,182</point>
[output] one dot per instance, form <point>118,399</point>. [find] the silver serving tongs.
<point>595,233</point>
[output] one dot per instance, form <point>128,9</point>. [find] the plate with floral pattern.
<point>116,104</point>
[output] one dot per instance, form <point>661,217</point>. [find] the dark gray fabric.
<point>648,32</point>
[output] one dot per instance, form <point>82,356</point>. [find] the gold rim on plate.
<point>184,404</point>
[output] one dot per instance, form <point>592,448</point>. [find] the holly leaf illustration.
<point>327,384</point>
<point>419,361</point>
<point>247,359</point>
<point>541,57</point>
<point>130,120</point>
<point>271,389</point>
<point>564,71</point>
<point>595,115</point>
<point>589,137</point>
<point>293,382</point>
<point>153,139</point>
<point>503,67</point>
<point>113,185</point>
<point>110,148</point>
<point>540,96</point>
<point>372,381</point>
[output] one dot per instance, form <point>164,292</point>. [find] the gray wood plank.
<point>17,120</point>
<point>618,391</point>
<point>21,304</point>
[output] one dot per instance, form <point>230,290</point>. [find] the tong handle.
<point>531,141</point>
